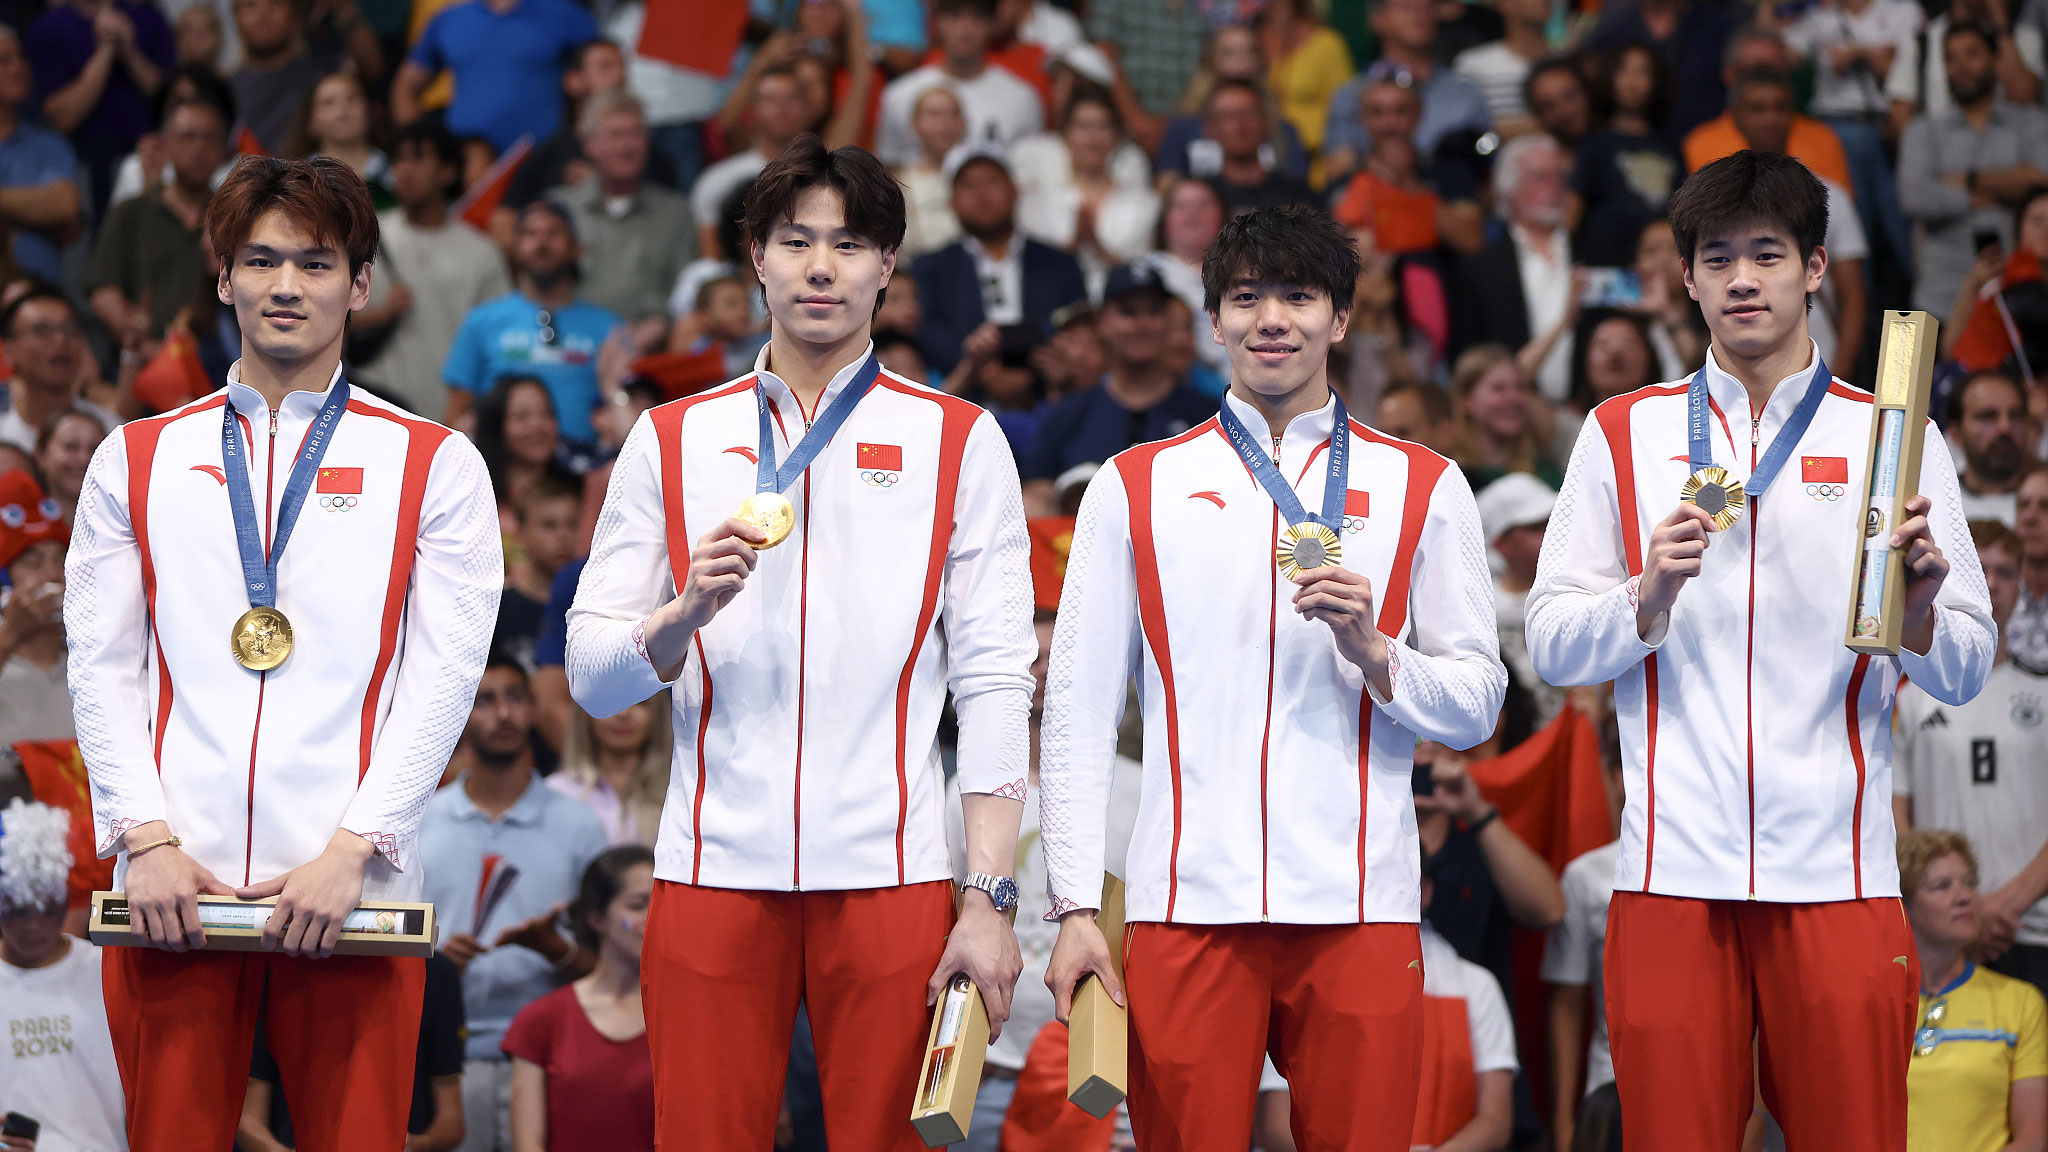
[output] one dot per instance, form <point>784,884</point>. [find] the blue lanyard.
<point>1268,474</point>
<point>769,478</point>
<point>1701,444</point>
<point>259,572</point>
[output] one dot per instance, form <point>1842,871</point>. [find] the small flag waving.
<point>484,196</point>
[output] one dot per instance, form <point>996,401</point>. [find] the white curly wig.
<point>33,859</point>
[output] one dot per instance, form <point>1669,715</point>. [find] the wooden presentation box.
<point>375,928</point>
<point>1898,425</point>
<point>1098,1040</point>
<point>951,1073</point>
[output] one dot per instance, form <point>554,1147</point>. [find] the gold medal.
<point>771,512</point>
<point>1306,546</point>
<point>261,639</point>
<point>1717,493</point>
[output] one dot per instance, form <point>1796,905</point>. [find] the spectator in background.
<point>1673,319</point>
<point>1852,45</point>
<point>431,270</point>
<point>334,121</point>
<point>1917,84</point>
<point>1071,359</point>
<point>1625,172</point>
<point>1421,414</point>
<point>1497,431</point>
<point>1407,204</point>
<point>65,1077</point>
<point>1233,54</point>
<point>200,35</point>
<point>619,766</point>
<point>1468,1106</point>
<point>543,541</point>
<point>1308,63</point>
<point>1138,399</point>
<point>2000,317</point>
<point>1191,215</point>
<point>1383,347</point>
<point>520,440</point>
<point>1513,511</point>
<point>1572,958</point>
<point>1691,35</point>
<point>2027,632</point>
<point>582,1075</point>
<point>778,108</point>
<point>496,814</point>
<point>592,67</point>
<point>1076,197</point>
<point>63,451</point>
<point>506,57</point>
<point>148,168</point>
<point>148,256</point>
<point>990,276</point>
<point>1760,106</point>
<point>1500,69</point>
<point>278,73</point>
<point>940,126</point>
<point>1235,154</point>
<point>1450,103</point>
<point>826,51</point>
<point>97,65</point>
<point>40,333</point>
<point>1979,1071</point>
<point>1157,48</point>
<point>1612,356</point>
<point>1807,140</point>
<point>999,107</point>
<point>1981,769</point>
<point>1987,419</point>
<point>1560,100</point>
<point>541,328</point>
<point>636,234</point>
<point>723,319</point>
<point>1962,170</point>
<point>1521,288</point>
<point>39,198</point>
<point>35,701</point>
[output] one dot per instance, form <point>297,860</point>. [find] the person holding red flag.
<point>814,555</point>
<point>1699,556</point>
<point>1301,598</point>
<point>267,693</point>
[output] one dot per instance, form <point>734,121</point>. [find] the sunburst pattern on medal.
<point>1297,549</point>
<point>1717,493</point>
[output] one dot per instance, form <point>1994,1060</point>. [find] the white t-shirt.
<point>16,431</point>
<point>998,106</point>
<point>1845,240</point>
<point>1574,953</point>
<point>1909,80</point>
<point>1498,72</point>
<point>35,703</point>
<point>1827,26</point>
<point>1981,769</point>
<point>59,1064</point>
<point>2000,506</point>
<point>448,270</point>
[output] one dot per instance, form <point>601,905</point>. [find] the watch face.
<point>1005,894</point>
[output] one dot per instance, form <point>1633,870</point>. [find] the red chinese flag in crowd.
<point>246,143</point>
<point>1051,539</point>
<point>701,37</point>
<point>1549,789</point>
<point>347,481</point>
<point>56,774</point>
<point>483,197</point>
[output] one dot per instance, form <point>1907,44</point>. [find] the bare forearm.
<point>2020,83</point>
<point>141,69</point>
<point>1566,1023</point>
<point>991,823</point>
<point>52,206</point>
<point>1493,1120</point>
<point>405,92</point>
<point>1525,880</point>
<point>67,107</point>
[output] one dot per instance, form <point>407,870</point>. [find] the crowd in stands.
<point>559,185</point>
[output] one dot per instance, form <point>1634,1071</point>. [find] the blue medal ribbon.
<point>769,478</point>
<point>259,571</point>
<point>1336,478</point>
<point>1700,447</point>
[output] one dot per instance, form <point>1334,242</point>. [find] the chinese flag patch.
<point>1355,503</point>
<point>342,481</point>
<point>1824,469</point>
<point>881,457</point>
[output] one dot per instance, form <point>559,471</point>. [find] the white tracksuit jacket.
<point>392,592</point>
<point>807,712</point>
<point>1757,746</point>
<point>1275,786</point>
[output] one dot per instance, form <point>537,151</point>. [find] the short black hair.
<point>1233,84</point>
<point>1977,28</point>
<point>986,9</point>
<point>204,83</point>
<point>602,882</point>
<point>1961,389</point>
<point>873,198</point>
<point>1292,244</point>
<point>1089,92</point>
<point>572,60</point>
<point>1565,64</point>
<point>1750,187</point>
<point>37,290</point>
<point>1663,82</point>
<point>1764,77</point>
<point>433,135</point>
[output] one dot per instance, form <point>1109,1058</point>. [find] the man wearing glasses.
<point>39,332</point>
<point>541,328</point>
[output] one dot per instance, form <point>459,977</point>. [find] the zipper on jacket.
<point>262,678</point>
<point>1749,661</point>
<point>1266,735</point>
<point>803,613</point>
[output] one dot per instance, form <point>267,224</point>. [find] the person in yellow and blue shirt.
<point>1978,1081</point>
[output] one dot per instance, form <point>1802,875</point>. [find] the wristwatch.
<point>1002,891</point>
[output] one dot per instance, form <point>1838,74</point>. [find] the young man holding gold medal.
<point>1301,598</point>
<point>814,556</point>
<point>1700,557</point>
<point>279,599</point>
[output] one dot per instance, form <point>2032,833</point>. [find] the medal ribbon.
<point>769,478</point>
<point>259,571</point>
<point>1336,477</point>
<point>1700,439</point>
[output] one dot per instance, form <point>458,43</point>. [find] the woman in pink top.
<point>581,1074</point>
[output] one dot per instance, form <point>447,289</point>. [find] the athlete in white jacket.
<point>1273,876</point>
<point>289,760</point>
<point>1757,889</point>
<point>802,850</point>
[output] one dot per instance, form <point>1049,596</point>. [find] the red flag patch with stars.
<point>1824,469</point>
<point>882,457</point>
<point>341,481</point>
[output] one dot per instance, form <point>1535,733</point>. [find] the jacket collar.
<point>1304,434</point>
<point>1733,399</point>
<point>301,405</point>
<point>784,398</point>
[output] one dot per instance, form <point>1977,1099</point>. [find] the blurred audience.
<point>39,174</point>
<point>1236,154</point>
<point>1500,69</point>
<point>40,334</point>
<point>97,65</point>
<point>336,119</point>
<point>1581,1065</point>
<point>1625,173</point>
<point>148,257</point>
<point>999,108</point>
<point>634,235</point>
<point>1450,103</point>
<point>1809,141</point>
<point>1690,35</point>
<point>1076,196</point>
<point>35,701</point>
<point>1520,291</point>
<point>2026,633</point>
<point>63,451</point>
<point>1233,53</point>
<point>1307,62</point>
<point>1987,422</point>
<point>506,58</point>
<point>279,74</point>
<point>619,765</point>
<point>940,127</point>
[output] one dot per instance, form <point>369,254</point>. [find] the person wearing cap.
<point>62,1073</point>
<point>1139,398</point>
<point>1513,511</point>
<point>993,277</point>
<point>1302,599</point>
<point>542,328</point>
<point>999,106</point>
<point>35,703</point>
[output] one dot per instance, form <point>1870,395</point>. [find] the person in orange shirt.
<point>1405,208</point>
<point>1811,142</point>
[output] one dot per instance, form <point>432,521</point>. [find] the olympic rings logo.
<point>339,503</point>
<point>1827,492</point>
<point>1354,523</point>
<point>875,478</point>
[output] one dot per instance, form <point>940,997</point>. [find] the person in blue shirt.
<point>506,57</point>
<point>38,172</point>
<point>541,328</point>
